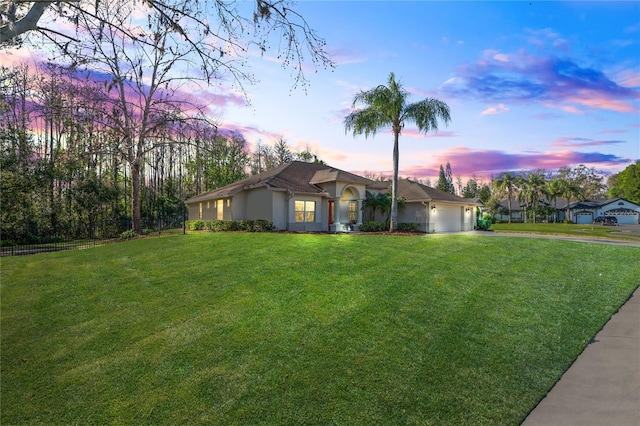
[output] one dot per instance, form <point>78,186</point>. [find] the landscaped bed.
<point>244,328</point>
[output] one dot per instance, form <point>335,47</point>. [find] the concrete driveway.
<point>631,229</point>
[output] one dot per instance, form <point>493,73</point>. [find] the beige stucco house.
<point>300,196</point>
<point>433,210</point>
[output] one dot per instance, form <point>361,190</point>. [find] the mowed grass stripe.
<point>301,328</point>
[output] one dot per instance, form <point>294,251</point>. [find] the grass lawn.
<point>300,328</point>
<point>595,231</point>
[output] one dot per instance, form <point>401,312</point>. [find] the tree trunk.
<point>393,223</point>
<point>135,196</point>
<point>509,195</point>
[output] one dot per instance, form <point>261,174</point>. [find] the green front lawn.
<point>597,231</point>
<point>237,328</point>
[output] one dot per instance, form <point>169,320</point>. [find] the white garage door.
<point>624,216</point>
<point>449,218</point>
<point>584,217</point>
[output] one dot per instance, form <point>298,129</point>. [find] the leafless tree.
<point>220,34</point>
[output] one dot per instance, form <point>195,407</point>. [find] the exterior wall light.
<point>433,208</point>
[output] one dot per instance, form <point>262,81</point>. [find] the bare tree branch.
<point>10,30</point>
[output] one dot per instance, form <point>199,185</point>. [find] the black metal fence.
<point>100,235</point>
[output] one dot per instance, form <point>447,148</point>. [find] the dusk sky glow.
<point>531,85</point>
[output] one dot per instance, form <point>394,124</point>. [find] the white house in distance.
<point>586,211</point>
<point>580,212</point>
<point>300,196</point>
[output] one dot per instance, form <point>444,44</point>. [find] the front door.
<point>330,214</point>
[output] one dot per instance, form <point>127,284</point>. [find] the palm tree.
<point>524,195</point>
<point>386,106</point>
<point>536,182</point>
<point>372,203</point>
<point>570,187</point>
<point>506,183</point>
<point>554,190</point>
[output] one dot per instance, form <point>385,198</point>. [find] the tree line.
<point>112,117</point>
<point>541,190</point>
<point>66,166</point>
<point>534,187</point>
<point>68,163</point>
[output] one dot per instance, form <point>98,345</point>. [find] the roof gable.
<point>595,204</point>
<point>296,176</point>
<point>414,191</point>
<point>337,175</point>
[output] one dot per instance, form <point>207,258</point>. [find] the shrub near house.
<point>258,225</point>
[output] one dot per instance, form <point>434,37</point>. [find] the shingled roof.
<point>414,191</point>
<point>296,176</point>
<point>592,204</point>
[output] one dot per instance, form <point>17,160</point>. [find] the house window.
<point>305,211</point>
<point>353,211</point>
<point>220,215</point>
<point>199,210</point>
<point>229,202</point>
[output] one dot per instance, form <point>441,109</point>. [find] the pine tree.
<point>442,181</point>
<point>449,177</point>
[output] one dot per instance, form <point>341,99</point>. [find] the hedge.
<point>257,225</point>
<point>373,226</point>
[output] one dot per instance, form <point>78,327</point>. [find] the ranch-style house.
<point>299,196</point>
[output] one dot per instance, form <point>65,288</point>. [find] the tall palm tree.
<point>524,195</point>
<point>572,183</point>
<point>506,183</point>
<point>535,183</point>
<point>386,106</point>
<point>554,190</point>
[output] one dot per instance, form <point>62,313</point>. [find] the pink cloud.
<point>599,100</point>
<point>566,142</point>
<point>496,109</point>
<point>611,132</point>
<point>629,78</point>
<point>552,81</point>
<point>467,162</point>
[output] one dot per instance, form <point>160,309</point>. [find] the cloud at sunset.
<point>583,142</point>
<point>487,163</point>
<point>496,109</point>
<point>550,80</point>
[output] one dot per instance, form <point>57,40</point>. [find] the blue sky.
<point>531,85</point>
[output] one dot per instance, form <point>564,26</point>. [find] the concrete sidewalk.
<point>602,387</point>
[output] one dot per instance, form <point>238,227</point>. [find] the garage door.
<point>624,216</point>
<point>449,218</point>
<point>584,218</point>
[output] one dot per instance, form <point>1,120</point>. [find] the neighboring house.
<point>627,212</point>
<point>300,196</point>
<point>581,212</point>
<point>433,210</point>
<point>557,209</point>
